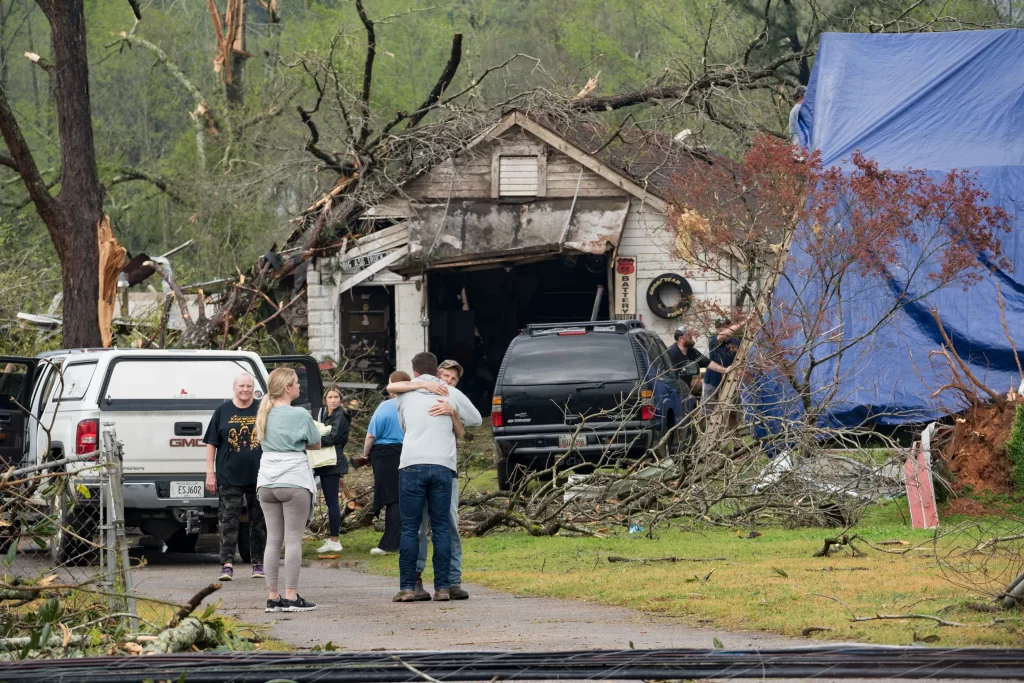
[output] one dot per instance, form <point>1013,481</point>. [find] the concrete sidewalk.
<point>355,612</point>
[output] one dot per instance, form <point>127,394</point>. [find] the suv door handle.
<point>188,428</point>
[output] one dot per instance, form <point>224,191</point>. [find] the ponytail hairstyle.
<point>280,379</point>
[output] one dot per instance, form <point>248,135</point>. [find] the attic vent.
<point>518,176</point>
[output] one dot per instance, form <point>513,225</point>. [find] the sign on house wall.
<point>625,287</point>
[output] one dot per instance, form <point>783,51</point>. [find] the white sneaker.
<point>329,546</point>
<point>378,551</point>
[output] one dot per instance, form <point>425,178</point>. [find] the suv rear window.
<point>176,378</point>
<point>564,359</point>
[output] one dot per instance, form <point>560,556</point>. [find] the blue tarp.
<point>933,101</point>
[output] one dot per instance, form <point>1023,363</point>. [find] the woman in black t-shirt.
<point>232,463</point>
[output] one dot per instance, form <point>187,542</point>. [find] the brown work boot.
<point>420,592</point>
<point>404,596</point>
<point>442,595</point>
<point>457,593</point>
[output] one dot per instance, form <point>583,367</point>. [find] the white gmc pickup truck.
<point>160,403</point>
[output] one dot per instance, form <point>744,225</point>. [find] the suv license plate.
<point>570,441</point>
<point>186,489</point>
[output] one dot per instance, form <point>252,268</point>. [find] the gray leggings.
<point>285,510</point>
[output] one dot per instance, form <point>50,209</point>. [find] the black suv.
<point>583,395</point>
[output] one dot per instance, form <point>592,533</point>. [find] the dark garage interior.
<point>499,302</point>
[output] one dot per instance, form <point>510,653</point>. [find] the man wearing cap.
<point>449,372</point>
<point>686,359</point>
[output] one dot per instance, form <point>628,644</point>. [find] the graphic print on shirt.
<point>242,433</point>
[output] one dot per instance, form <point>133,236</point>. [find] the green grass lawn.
<point>770,583</point>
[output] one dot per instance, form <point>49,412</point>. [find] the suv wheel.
<point>76,542</point>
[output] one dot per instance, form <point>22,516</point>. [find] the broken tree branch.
<point>647,560</point>
<point>447,74</point>
<point>175,291</point>
<point>127,175</point>
<point>371,53</point>
<point>929,617</point>
<point>252,330</point>
<point>202,117</point>
<point>1006,330</point>
<point>192,604</point>
<point>24,163</point>
<point>190,632</point>
<point>996,398</point>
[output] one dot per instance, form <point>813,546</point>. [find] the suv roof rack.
<point>619,325</point>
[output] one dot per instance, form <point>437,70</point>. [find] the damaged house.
<point>525,226</point>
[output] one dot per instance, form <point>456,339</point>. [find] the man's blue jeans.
<point>455,578</point>
<point>430,485</point>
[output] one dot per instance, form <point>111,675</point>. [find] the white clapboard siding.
<point>518,176</point>
<point>647,237</point>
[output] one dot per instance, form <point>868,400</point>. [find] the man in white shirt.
<point>427,468</point>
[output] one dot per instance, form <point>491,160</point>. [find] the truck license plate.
<point>186,489</point>
<point>570,441</point>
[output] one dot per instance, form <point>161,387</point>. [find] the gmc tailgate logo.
<point>186,443</point>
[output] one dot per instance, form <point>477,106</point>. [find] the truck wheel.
<point>77,540</point>
<point>180,542</point>
<point>244,550</point>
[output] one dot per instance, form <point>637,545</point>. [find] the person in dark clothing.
<point>333,415</point>
<point>383,449</point>
<point>232,463</point>
<point>685,357</point>
<point>721,353</point>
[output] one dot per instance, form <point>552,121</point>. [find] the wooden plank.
<point>373,269</point>
<point>380,244</point>
<point>542,173</point>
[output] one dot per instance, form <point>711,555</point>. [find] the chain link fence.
<point>62,524</point>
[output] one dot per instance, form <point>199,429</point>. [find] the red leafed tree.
<point>816,242</point>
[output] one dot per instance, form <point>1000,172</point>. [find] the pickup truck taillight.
<point>647,405</point>
<point>87,437</point>
<point>496,417</point>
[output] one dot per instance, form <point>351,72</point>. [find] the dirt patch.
<point>975,454</point>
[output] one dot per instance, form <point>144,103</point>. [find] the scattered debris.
<point>833,544</point>
<point>811,630</point>
<point>839,569</point>
<point>780,572</point>
<point>646,560</point>
<point>899,617</point>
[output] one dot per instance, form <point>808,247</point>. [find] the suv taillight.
<point>87,437</point>
<point>496,420</point>
<point>647,404</point>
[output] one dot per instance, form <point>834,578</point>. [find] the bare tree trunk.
<point>234,91</point>
<point>73,215</point>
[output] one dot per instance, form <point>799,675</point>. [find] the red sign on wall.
<point>625,287</point>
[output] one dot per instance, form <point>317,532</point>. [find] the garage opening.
<point>476,312</point>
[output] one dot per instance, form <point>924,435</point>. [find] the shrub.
<point>1015,449</point>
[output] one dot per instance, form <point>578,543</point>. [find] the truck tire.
<point>244,550</point>
<point>77,541</point>
<point>663,285</point>
<point>180,542</point>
